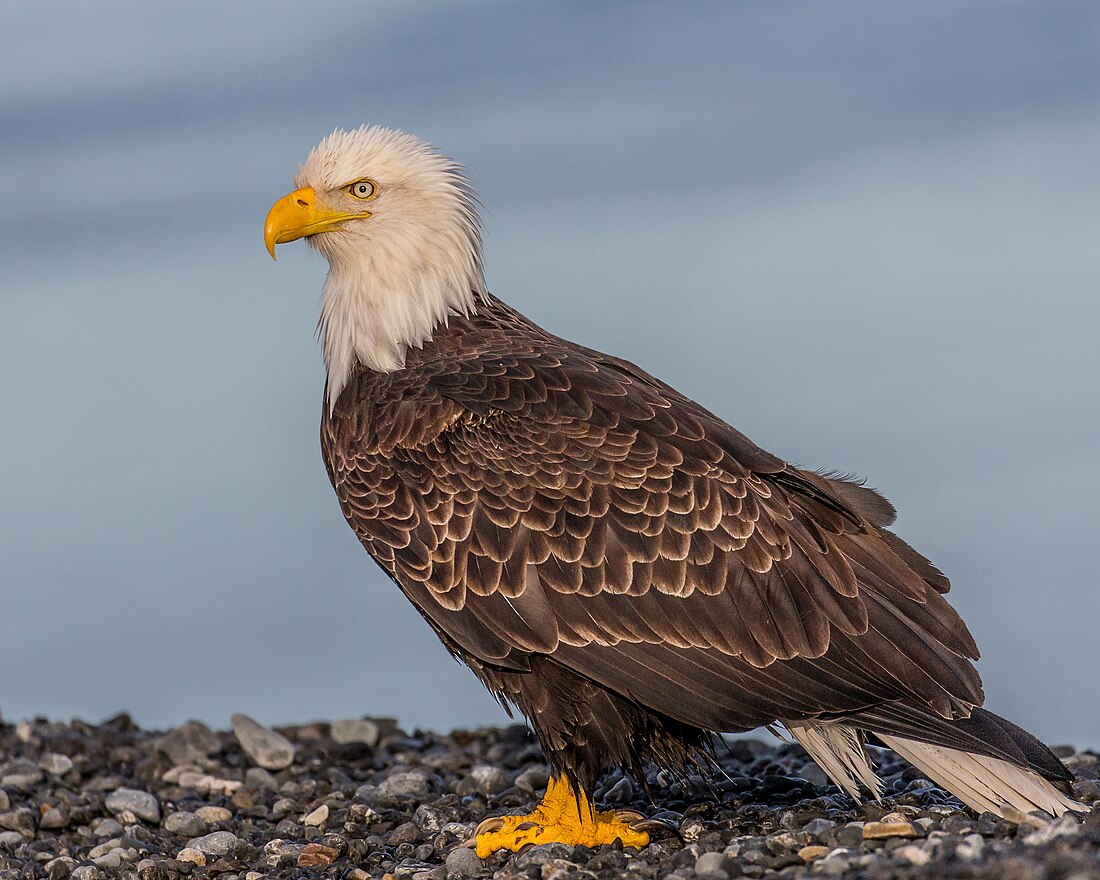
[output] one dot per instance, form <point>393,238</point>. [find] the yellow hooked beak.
<point>297,215</point>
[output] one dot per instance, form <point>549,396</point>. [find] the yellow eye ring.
<point>363,189</point>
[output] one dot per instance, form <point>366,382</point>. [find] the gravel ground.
<point>362,798</point>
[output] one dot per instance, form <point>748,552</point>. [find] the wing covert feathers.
<point>545,506</point>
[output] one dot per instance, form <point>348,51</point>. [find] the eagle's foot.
<point>564,816</point>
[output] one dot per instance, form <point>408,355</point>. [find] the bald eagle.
<point>605,554</point>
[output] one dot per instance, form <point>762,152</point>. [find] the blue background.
<point>864,233</point>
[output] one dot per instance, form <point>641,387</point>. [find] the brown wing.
<point>544,499</point>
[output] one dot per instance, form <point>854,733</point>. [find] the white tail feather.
<point>983,783</point>
<point>838,750</point>
<point>986,784</point>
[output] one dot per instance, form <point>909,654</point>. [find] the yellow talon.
<point>563,817</point>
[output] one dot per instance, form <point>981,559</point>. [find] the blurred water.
<point>863,233</point>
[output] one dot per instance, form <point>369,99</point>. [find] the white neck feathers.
<point>399,274</point>
<point>373,317</point>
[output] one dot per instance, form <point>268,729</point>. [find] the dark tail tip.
<point>1015,742</point>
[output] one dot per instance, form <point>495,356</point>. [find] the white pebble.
<point>317,818</point>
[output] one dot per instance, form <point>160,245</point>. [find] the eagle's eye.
<point>362,189</point>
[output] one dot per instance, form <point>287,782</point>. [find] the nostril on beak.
<point>302,203</point>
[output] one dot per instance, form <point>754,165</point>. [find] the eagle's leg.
<point>564,816</point>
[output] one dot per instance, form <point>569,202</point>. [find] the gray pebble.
<point>540,855</point>
<point>140,803</point>
<point>185,824</point>
<point>21,820</point>
<point>407,824</point>
<point>55,764</point>
<point>429,819</point>
<point>269,749</point>
<point>913,854</point>
<point>55,817</point>
<point>464,862</point>
<point>24,780</point>
<point>814,774</point>
<point>404,782</point>
<point>60,868</point>
<point>102,849</point>
<point>406,832</point>
<point>217,843</point>
<point>489,779</point>
<point>112,859</point>
<point>258,777</point>
<point>837,861</point>
<point>850,835</point>
<point>106,828</point>
<point>283,848</point>
<point>711,863</point>
<point>817,827</point>
<point>86,872</point>
<point>1087,790</point>
<point>533,778</point>
<point>283,807</point>
<point>622,792</point>
<point>10,839</point>
<point>189,743</point>
<point>356,730</point>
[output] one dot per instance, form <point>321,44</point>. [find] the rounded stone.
<point>404,782</point>
<point>429,819</point>
<point>20,820</point>
<point>140,803</point>
<point>24,780</point>
<point>812,853</point>
<point>258,777</point>
<point>112,859</point>
<point>489,779</point>
<point>60,868</point>
<point>10,839</point>
<point>269,749</point>
<point>192,855</point>
<point>217,843</point>
<point>711,863</point>
<point>317,855</point>
<point>189,743</point>
<point>880,830</point>
<point>464,862</point>
<point>55,817</point>
<point>104,827</point>
<point>55,764</point>
<point>817,827</point>
<point>533,778</point>
<point>914,855</point>
<point>814,775</point>
<point>184,823</point>
<point>356,730</point>
<point>213,815</point>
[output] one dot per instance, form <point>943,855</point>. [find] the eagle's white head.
<point>398,223</point>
